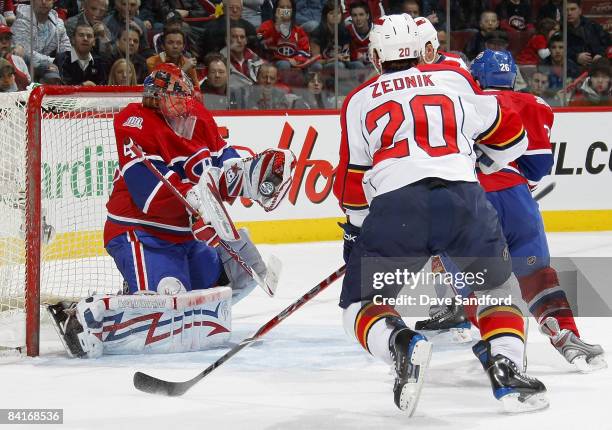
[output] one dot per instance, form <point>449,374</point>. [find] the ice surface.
<point>306,374</point>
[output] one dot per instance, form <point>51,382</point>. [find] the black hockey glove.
<point>351,233</point>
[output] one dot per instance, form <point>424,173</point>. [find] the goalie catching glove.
<point>264,178</point>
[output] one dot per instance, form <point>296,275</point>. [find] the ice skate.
<point>411,353</point>
<point>586,357</point>
<point>517,391</point>
<point>448,318</point>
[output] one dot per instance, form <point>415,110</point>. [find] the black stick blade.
<point>152,385</point>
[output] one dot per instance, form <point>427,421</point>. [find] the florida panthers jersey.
<point>408,125</point>
<point>537,160</point>
<point>139,201</point>
<point>448,59</point>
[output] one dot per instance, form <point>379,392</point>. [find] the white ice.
<point>306,374</point>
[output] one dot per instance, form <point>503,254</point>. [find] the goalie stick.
<point>268,287</point>
<point>150,384</point>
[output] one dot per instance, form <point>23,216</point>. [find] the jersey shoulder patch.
<point>134,121</point>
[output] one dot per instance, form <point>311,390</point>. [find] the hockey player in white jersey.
<point>407,183</point>
<point>430,46</point>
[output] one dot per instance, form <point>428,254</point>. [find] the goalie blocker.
<point>143,324</point>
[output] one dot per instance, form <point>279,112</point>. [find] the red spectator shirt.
<point>359,45</point>
<point>529,54</point>
<point>280,47</point>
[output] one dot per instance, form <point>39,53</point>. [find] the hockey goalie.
<point>178,284</point>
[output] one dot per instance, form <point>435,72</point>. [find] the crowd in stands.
<point>293,54</point>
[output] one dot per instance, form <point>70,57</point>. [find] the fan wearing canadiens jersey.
<point>406,180</point>
<point>178,285</point>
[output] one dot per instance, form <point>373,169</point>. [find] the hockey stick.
<point>269,288</point>
<point>545,191</point>
<point>150,384</point>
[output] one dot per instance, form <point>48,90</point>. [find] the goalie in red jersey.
<point>157,244</point>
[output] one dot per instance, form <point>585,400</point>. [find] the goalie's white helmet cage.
<point>394,37</point>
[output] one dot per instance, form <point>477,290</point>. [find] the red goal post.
<point>51,196</point>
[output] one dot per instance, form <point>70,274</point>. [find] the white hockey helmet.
<point>393,37</point>
<point>427,34</point>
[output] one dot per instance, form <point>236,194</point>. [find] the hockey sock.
<point>545,298</point>
<point>370,327</point>
<point>503,328</point>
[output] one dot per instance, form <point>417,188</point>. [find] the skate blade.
<point>409,397</point>
<point>596,363</point>
<point>513,405</point>
<point>461,335</point>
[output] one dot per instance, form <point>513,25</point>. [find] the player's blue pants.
<point>144,260</point>
<point>429,217</point>
<point>521,221</point>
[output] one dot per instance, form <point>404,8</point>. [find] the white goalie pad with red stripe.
<point>153,324</point>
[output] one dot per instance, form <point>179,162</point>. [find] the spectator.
<point>314,96</point>
<point>78,66</point>
<point>65,9</point>
<point>586,40</point>
<point>92,14</point>
<point>596,89</point>
<point>174,45</point>
<point>442,40</point>
<point>128,43</point>
<point>465,14</point>
<point>215,81</point>
<point>122,73</point>
<point>515,15</point>
<point>7,77</point>
<point>359,32</point>
<point>411,7</point>
<point>283,41</point>
<point>536,49</point>
<point>538,85</point>
<point>556,60</point>
<point>308,14</point>
<point>265,94</point>
<point>115,22</point>
<point>323,43</point>
<point>488,23</point>
<point>173,21</point>
<point>7,9</point>
<point>214,84</point>
<point>50,37</point>
<point>244,63</point>
<point>7,51</point>
<point>553,9</point>
<point>215,35</point>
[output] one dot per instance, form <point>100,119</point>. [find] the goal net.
<point>56,172</point>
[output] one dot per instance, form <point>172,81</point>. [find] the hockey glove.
<point>486,164</point>
<point>351,233</point>
<point>204,232</point>
<point>264,178</point>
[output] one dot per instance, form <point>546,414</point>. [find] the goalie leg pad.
<point>152,324</point>
<point>240,281</point>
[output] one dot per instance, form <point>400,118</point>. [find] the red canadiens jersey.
<point>296,45</point>
<point>401,127</point>
<point>452,60</point>
<point>537,160</point>
<point>359,45</point>
<point>140,201</point>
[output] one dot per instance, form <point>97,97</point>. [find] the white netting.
<point>78,164</point>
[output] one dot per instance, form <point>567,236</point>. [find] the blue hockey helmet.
<point>494,69</point>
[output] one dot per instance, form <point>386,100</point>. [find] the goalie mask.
<point>170,91</point>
